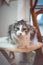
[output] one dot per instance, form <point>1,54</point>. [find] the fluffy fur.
<point>21,32</point>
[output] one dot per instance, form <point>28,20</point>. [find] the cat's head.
<point>20,28</point>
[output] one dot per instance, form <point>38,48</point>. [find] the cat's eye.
<point>24,29</point>
<point>17,28</point>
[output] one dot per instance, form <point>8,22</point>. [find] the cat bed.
<point>4,43</point>
<point>11,47</point>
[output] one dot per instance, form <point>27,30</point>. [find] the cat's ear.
<point>15,23</point>
<point>35,30</point>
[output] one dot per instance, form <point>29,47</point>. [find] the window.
<point>39,18</point>
<point>40,22</point>
<point>40,2</point>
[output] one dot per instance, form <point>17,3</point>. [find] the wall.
<point>28,10</point>
<point>8,15</point>
<point>23,10</point>
<point>0,23</point>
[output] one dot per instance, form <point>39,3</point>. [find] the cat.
<point>20,29</point>
<point>17,29</point>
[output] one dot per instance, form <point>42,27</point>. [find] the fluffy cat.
<point>20,30</point>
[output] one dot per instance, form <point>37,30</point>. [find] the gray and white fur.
<point>21,28</point>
